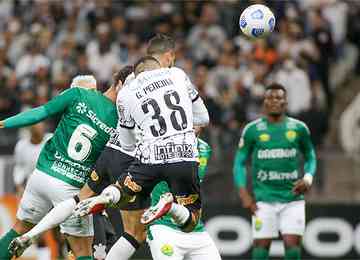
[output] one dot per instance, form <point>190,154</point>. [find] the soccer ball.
<point>257,21</point>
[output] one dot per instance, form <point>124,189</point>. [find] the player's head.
<point>145,64</point>
<point>119,77</point>
<point>84,81</point>
<point>162,48</point>
<point>275,100</point>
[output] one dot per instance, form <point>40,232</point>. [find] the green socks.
<point>260,253</point>
<point>293,253</point>
<point>84,258</point>
<point>4,244</point>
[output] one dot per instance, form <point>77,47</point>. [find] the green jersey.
<point>275,150</point>
<point>88,118</point>
<point>162,187</point>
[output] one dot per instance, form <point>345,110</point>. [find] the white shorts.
<point>272,218</point>
<point>171,244</point>
<point>42,192</point>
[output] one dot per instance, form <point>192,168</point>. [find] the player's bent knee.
<point>86,192</point>
<point>132,240</point>
<point>192,221</point>
<point>22,226</point>
<point>293,253</point>
<point>80,246</point>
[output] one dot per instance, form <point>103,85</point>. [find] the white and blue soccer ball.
<point>257,21</point>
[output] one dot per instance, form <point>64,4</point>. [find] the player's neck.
<point>36,139</point>
<point>111,94</point>
<point>275,118</point>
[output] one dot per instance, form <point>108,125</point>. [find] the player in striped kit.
<point>165,238</point>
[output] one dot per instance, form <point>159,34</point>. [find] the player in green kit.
<point>88,118</point>
<point>165,238</point>
<point>275,143</point>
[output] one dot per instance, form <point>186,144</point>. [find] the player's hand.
<point>91,206</point>
<point>247,201</point>
<point>2,124</point>
<point>300,187</point>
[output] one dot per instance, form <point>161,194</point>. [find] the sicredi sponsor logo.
<point>82,108</point>
<point>276,153</point>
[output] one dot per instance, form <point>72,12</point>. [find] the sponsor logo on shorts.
<point>94,176</point>
<point>187,200</point>
<point>167,250</point>
<point>258,224</point>
<point>172,150</point>
<point>99,251</point>
<point>132,185</point>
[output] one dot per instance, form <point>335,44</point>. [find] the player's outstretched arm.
<point>1,124</point>
<point>38,114</point>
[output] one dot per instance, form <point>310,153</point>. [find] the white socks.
<point>179,213</point>
<point>121,250</point>
<point>55,217</point>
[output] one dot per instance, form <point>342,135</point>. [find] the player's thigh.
<point>205,247</point>
<point>292,218</point>
<point>34,204</point>
<point>132,224</point>
<point>184,183</point>
<point>163,243</point>
<point>78,227</point>
<point>265,223</point>
<point>139,179</point>
<point>80,246</point>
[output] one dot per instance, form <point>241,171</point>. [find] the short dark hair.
<point>160,44</point>
<point>122,74</point>
<point>276,86</point>
<point>139,66</point>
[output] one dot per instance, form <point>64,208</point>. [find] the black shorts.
<point>182,178</point>
<point>109,167</point>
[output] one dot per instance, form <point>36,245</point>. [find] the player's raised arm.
<point>239,170</point>
<point>35,115</point>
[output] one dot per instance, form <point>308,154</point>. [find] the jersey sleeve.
<point>308,151</point>
<point>242,154</point>
<point>61,102</point>
<point>193,93</point>
<point>38,114</point>
<point>123,109</point>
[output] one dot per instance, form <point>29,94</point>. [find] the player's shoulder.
<point>294,123</point>
<point>177,71</point>
<point>257,124</point>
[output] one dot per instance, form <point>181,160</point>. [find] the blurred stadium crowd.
<point>43,44</point>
